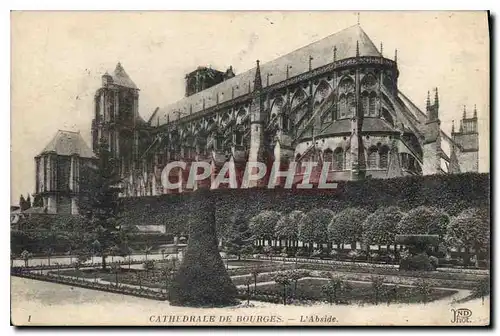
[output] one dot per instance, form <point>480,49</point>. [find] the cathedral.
<point>336,100</point>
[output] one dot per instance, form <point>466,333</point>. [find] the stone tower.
<point>116,117</point>
<point>58,169</point>
<point>432,142</point>
<point>467,143</point>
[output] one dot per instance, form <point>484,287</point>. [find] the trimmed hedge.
<point>202,279</point>
<point>453,193</point>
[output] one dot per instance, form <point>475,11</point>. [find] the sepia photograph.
<point>250,168</point>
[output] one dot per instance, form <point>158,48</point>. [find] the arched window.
<point>338,159</point>
<point>334,111</point>
<point>405,160</point>
<point>384,153</point>
<point>372,157</point>
<point>238,138</point>
<point>372,104</point>
<point>365,100</point>
<point>343,106</point>
<point>328,156</point>
<point>351,105</point>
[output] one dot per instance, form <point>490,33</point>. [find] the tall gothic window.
<point>372,157</point>
<point>351,105</point>
<point>365,100</point>
<point>338,159</point>
<point>405,160</point>
<point>372,104</point>
<point>343,106</point>
<point>328,156</point>
<point>384,153</point>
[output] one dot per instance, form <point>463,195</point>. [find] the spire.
<point>357,48</point>
<point>334,53</point>
<point>258,78</point>
<point>428,105</point>
<point>452,126</point>
<point>475,111</point>
<point>436,99</point>
<point>396,55</point>
<point>381,49</point>
<point>465,113</point>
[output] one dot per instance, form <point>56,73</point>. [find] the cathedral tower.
<point>116,115</point>
<point>467,141</point>
<point>432,142</point>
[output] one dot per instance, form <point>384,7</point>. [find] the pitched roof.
<point>321,51</point>
<point>121,78</point>
<point>68,143</point>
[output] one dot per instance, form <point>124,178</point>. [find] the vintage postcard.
<point>250,168</point>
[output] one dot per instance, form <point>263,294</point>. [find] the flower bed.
<point>144,292</point>
<point>443,275</point>
<point>264,268</point>
<point>310,289</point>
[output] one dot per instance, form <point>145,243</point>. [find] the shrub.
<point>434,261</point>
<point>202,279</point>
<point>354,255</point>
<point>418,262</point>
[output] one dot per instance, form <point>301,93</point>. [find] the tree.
<point>287,227</point>
<point>26,256</point>
<point>283,279</point>
<point>99,200</point>
<point>28,202</point>
<point>37,201</point>
<point>115,269</point>
<point>377,286</point>
<point>147,250</point>
<point>95,248</point>
<point>347,226</point>
<point>22,203</point>
<point>255,273</point>
<point>149,265</point>
<point>470,229</point>
<point>166,273</point>
<point>424,220</point>
<point>263,224</point>
<point>482,289</point>
<point>49,251</point>
<point>240,238</point>
<point>202,279</point>
<point>314,226</point>
<point>335,287</point>
<point>295,276</point>
<point>380,227</point>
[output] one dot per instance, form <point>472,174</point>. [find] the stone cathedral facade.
<point>336,100</point>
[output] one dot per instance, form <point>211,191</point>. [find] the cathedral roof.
<point>68,143</point>
<point>121,78</point>
<point>345,42</point>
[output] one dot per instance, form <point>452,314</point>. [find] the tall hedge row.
<point>452,193</point>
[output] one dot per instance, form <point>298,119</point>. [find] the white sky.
<point>58,58</point>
